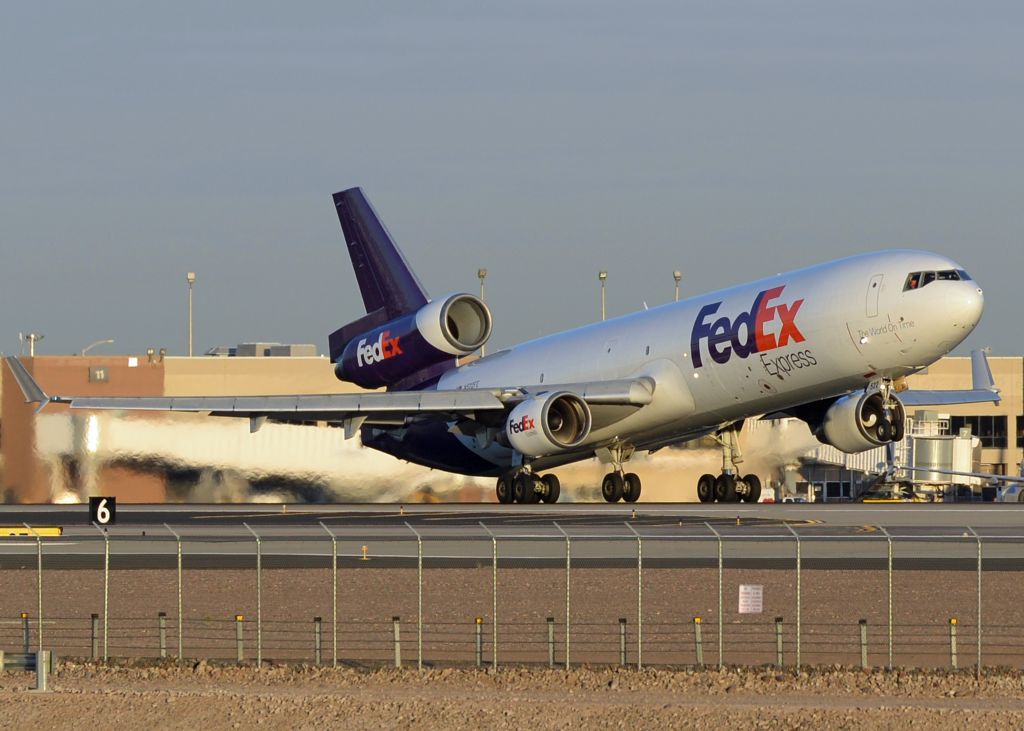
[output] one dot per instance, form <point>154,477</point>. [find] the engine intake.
<point>548,424</point>
<point>857,423</point>
<point>439,331</point>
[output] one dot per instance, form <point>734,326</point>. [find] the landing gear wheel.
<point>533,490</point>
<point>753,489</point>
<point>503,490</point>
<point>552,489</point>
<point>883,431</point>
<point>611,487</point>
<point>706,488</point>
<point>725,488</point>
<point>631,487</point>
<point>522,486</point>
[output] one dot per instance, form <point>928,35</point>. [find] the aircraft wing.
<point>352,409</point>
<point>983,388</point>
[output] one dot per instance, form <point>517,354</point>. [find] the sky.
<point>544,141</point>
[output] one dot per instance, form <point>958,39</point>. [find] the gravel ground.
<point>204,696</point>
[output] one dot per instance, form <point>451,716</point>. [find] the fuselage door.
<point>874,289</point>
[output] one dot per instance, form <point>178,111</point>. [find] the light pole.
<point>32,339</point>
<point>482,273</point>
<point>191,278</point>
<point>602,276</point>
<point>677,275</point>
<point>90,346</point>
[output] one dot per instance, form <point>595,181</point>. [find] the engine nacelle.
<point>548,424</point>
<point>860,422</point>
<point>440,330</point>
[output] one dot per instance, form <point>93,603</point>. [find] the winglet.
<point>33,393</point>
<point>981,374</point>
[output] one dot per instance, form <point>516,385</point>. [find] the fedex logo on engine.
<point>765,326</point>
<point>385,347</point>
<point>522,425</point>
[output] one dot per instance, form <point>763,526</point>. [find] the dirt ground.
<point>203,696</point>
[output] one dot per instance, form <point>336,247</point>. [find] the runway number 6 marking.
<point>102,510</point>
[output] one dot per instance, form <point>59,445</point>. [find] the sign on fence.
<point>751,598</point>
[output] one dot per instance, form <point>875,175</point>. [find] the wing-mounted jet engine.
<point>859,422</point>
<point>437,332</point>
<point>548,424</point>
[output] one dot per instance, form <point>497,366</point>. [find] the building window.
<point>1020,431</point>
<point>991,430</point>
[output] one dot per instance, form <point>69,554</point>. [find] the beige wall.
<point>251,377</point>
<point>1008,373</point>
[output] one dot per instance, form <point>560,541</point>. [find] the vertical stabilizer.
<point>385,279</point>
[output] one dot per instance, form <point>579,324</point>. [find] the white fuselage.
<point>831,329</point>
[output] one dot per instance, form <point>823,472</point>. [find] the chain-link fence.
<point>547,593</point>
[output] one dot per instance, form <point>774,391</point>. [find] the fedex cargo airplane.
<point>831,344</point>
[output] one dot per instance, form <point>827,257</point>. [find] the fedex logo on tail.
<point>385,347</point>
<point>766,326</point>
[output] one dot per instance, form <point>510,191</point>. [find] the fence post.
<point>259,596</point>
<point>778,642</point>
<point>239,647</point>
<point>494,595</point>
<point>888,539</point>
<point>952,643</point>
<point>698,641</point>
<point>42,668</point>
<point>419,596</point>
<point>94,631</point>
<point>721,604</point>
<point>864,644</point>
<point>799,566</point>
<point>639,596</point>
<point>316,640</point>
<point>551,642</point>
<point>26,635</point>
<point>39,584</point>
<point>398,641</point>
<point>334,595</point>
<point>177,539</point>
<point>106,586</point>
<point>479,641</point>
<point>162,625</point>
<point>978,669</point>
<point>622,641</point>
<point>568,566</point>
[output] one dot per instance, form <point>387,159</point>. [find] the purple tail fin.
<point>389,287</point>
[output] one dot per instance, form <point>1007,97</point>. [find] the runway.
<point>457,535</point>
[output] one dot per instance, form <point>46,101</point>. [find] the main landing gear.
<point>525,487</point>
<point>729,487</point>
<point>617,484</point>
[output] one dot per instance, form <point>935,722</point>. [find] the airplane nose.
<point>966,304</point>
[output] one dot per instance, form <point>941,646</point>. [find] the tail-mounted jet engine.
<point>440,330</point>
<point>548,424</point>
<point>860,422</point>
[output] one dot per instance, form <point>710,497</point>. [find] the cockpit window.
<point>916,280</point>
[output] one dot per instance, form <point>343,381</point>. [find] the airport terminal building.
<point>60,455</point>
